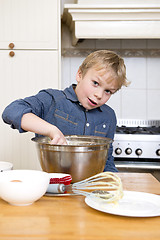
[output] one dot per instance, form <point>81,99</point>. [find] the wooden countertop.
<point>69,218</point>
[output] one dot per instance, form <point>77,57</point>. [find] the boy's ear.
<point>78,75</point>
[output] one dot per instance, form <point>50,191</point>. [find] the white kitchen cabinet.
<point>31,64</point>
<point>29,24</point>
<point>26,73</point>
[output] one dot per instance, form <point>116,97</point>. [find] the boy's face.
<point>95,88</point>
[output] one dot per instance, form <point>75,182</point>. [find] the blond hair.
<point>105,59</point>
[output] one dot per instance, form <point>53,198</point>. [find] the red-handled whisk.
<point>106,186</point>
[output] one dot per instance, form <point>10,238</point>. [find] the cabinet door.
<point>29,24</point>
<point>23,75</point>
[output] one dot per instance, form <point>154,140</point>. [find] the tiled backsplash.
<point>142,58</point>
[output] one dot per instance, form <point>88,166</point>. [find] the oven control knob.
<point>118,151</point>
<point>128,151</point>
<point>158,152</point>
<point>138,151</point>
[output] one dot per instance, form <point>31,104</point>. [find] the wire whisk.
<point>106,186</point>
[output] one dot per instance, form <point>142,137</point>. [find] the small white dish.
<point>23,187</point>
<point>133,204</point>
<point>48,194</point>
<point>5,166</point>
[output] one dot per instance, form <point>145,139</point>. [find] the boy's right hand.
<point>57,137</point>
<point>31,122</point>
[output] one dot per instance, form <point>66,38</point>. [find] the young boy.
<point>79,109</point>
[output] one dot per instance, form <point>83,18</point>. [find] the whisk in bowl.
<point>105,186</point>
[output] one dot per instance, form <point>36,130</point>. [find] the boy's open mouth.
<point>92,102</point>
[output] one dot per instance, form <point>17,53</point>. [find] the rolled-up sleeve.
<point>13,113</point>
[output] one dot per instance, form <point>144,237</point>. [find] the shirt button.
<point>104,125</point>
<point>87,124</point>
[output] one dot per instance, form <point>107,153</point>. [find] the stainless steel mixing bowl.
<point>84,156</point>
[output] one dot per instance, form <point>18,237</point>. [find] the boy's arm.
<point>31,122</point>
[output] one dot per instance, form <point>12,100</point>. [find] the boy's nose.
<point>98,94</point>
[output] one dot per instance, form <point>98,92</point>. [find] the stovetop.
<point>137,130</point>
<point>125,126</point>
<point>137,139</point>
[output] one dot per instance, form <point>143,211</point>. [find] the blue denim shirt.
<point>63,109</point>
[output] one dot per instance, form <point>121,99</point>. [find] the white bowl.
<point>23,187</point>
<point>4,166</point>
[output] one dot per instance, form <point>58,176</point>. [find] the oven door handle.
<point>138,165</point>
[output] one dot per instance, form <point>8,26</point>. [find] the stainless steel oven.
<point>136,146</point>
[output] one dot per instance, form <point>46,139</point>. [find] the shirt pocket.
<point>64,119</point>
<point>101,129</point>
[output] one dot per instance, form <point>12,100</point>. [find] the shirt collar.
<point>71,95</point>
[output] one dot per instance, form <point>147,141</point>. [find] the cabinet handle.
<point>11,45</point>
<point>11,54</point>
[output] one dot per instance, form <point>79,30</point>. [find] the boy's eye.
<point>108,92</point>
<point>95,83</point>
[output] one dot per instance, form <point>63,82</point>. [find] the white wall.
<point>142,58</point>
